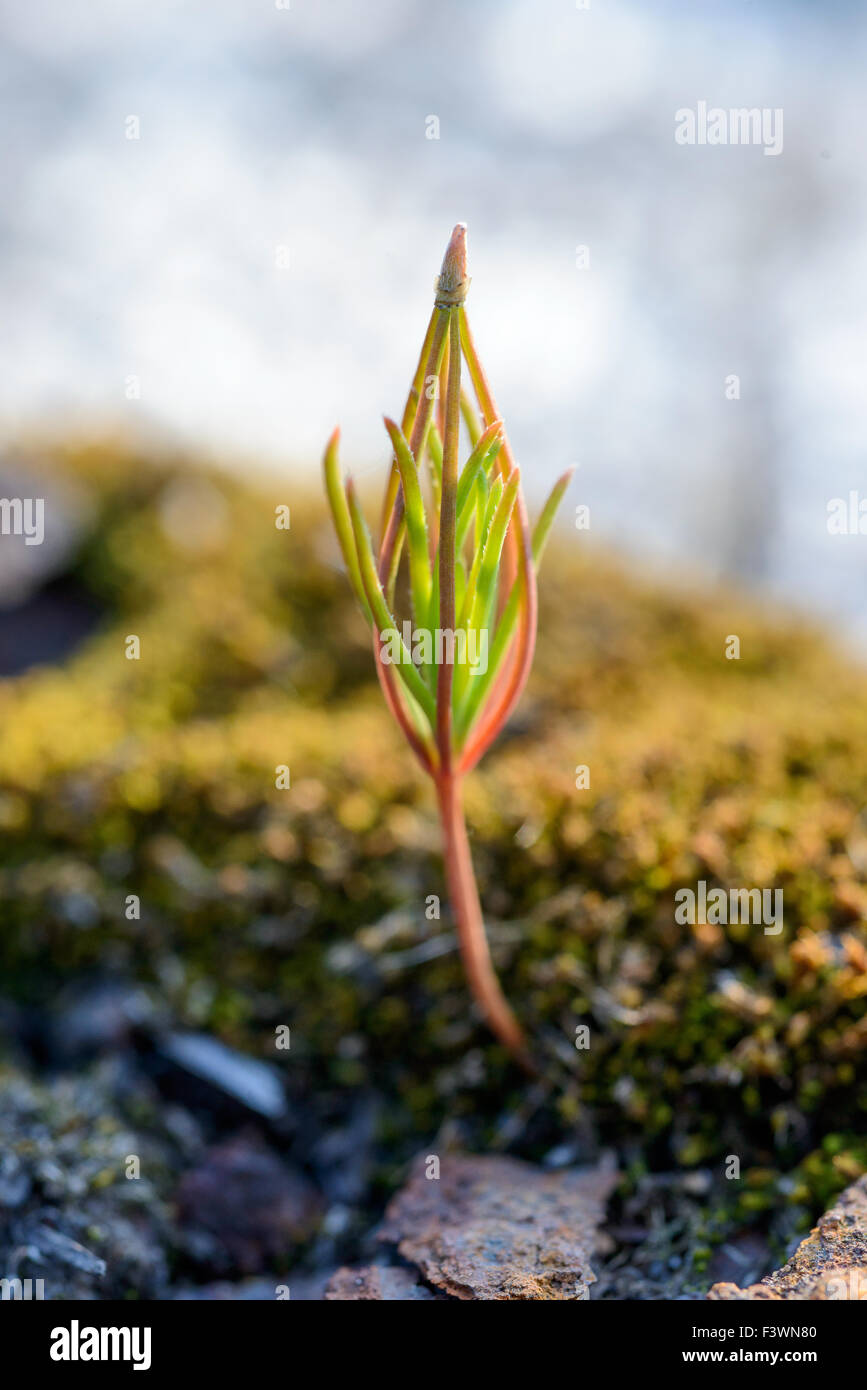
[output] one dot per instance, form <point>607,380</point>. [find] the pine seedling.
<point>452,676</point>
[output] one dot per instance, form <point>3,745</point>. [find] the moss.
<point>262,907</point>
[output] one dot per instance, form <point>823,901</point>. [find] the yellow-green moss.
<point>157,777</point>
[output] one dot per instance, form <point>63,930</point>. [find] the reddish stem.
<point>471,928</point>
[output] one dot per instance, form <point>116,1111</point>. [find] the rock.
<point>744,1256</point>
<point>200,1071</point>
<point>496,1228</point>
<point>241,1208</point>
<point>306,1288</point>
<point>15,1182</point>
<point>134,1263</point>
<point>98,1018</point>
<point>831,1264</point>
<point>45,629</point>
<point>378,1283</point>
<point>342,1158</point>
<point>297,1288</point>
<point>223,1291</point>
<point>69,1213</point>
<point>45,1245</point>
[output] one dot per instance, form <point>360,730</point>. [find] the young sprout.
<point>453,675</point>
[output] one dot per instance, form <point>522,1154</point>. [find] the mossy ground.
<point>305,907</point>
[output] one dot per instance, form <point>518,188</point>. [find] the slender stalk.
<point>467,910</point>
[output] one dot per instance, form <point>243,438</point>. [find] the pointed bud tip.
<point>491,435</point>
<point>453,281</point>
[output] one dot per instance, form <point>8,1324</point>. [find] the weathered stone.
<point>497,1228</point>
<point>241,1207</point>
<point>15,1182</point>
<point>830,1264</point>
<point>252,1291</point>
<point>44,1243</point>
<point>198,1069</point>
<point>93,1020</point>
<point>69,1214</point>
<point>378,1283</point>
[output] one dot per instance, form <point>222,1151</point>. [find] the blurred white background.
<point>305,128</point>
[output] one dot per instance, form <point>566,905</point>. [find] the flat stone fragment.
<point>831,1264</point>
<point>377,1283</point>
<point>497,1228</point>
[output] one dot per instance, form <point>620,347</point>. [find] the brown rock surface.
<point>831,1264</point>
<point>379,1283</point>
<point>496,1228</point>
